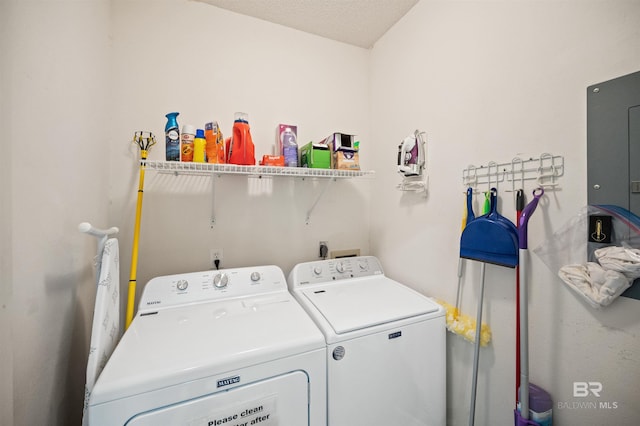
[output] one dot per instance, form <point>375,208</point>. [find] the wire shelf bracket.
<point>217,170</point>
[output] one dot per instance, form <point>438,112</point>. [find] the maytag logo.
<point>395,335</point>
<point>228,381</point>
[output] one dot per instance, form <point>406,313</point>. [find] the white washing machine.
<point>386,344</point>
<point>215,348</point>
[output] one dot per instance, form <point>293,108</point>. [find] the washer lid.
<point>367,302</point>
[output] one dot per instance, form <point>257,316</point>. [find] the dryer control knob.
<point>317,270</point>
<point>340,267</point>
<point>221,280</point>
<point>255,276</point>
<point>182,285</point>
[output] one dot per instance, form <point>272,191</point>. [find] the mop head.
<point>465,326</point>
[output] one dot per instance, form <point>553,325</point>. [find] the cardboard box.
<point>315,156</point>
<point>272,160</point>
<point>339,141</point>
<point>345,159</point>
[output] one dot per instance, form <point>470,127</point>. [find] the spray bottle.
<point>186,142</point>
<point>172,137</point>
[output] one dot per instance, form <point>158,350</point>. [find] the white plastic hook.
<point>470,180</point>
<point>516,160</point>
<point>489,166</point>
<point>544,174</point>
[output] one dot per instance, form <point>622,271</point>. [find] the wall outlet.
<point>323,250</point>
<point>215,254</point>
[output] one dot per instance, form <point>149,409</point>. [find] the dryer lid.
<point>180,344</point>
<point>367,302</point>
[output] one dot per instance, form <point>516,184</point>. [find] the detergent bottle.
<point>540,405</point>
<point>199,147</point>
<point>289,148</point>
<point>240,148</point>
<point>172,137</point>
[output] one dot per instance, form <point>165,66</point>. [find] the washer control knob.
<point>317,270</point>
<point>255,276</point>
<point>182,285</point>
<point>363,265</point>
<point>340,267</point>
<point>221,280</point>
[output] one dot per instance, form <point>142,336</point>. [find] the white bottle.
<point>289,148</point>
<point>186,142</point>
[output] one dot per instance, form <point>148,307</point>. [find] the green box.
<point>315,156</point>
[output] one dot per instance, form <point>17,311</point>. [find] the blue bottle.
<point>172,137</point>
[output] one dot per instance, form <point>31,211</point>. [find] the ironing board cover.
<point>105,331</point>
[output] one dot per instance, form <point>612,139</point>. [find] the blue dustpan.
<point>491,238</point>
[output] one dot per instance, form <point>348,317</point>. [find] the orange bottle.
<point>211,136</point>
<point>222,158</point>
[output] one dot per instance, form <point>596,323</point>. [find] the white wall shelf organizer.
<point>179,167</point>
<point>217,170</point>
<point>545,170</point>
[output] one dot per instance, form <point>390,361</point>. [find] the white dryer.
<point>215,348</point>
<point>386,354</point>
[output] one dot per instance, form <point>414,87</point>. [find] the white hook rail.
<point>545,170</point>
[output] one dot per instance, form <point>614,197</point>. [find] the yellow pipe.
<point>134,252</point>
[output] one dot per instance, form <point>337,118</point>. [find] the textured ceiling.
<point>357,22</point>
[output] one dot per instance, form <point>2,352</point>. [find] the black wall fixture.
<point>613,147</point>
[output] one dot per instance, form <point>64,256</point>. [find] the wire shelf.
<point>178,167</point>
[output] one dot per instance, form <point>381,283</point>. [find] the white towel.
<point>625,260</point>
<point>598,286</point>
<point>105,331</point>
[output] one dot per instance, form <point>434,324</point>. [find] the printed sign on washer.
<point>260,412</point>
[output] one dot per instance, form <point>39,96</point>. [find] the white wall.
<point>208,63</point>
<point>6,352</point>
<point>57,94</point>
<point>486,80</point>
<point>492,81</point>
<point>74,91</point>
